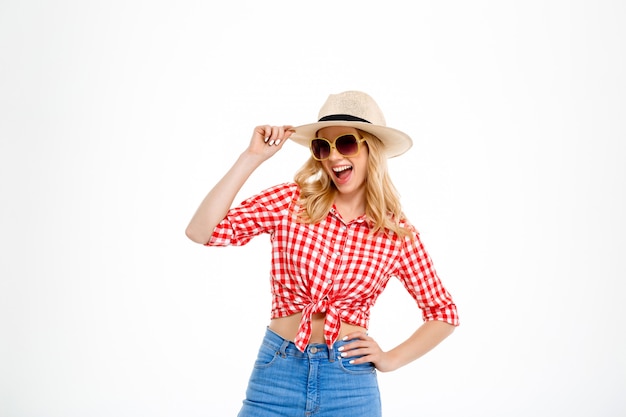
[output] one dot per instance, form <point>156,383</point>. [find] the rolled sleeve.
<point>253,216</point>
<point>418,275</point>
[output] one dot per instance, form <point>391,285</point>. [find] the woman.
<point>338,235</point>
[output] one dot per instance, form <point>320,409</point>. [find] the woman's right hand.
<point>267,140</point>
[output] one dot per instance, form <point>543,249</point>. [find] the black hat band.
<point>342,118</point>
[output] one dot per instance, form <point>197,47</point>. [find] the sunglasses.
<point>347,145</point>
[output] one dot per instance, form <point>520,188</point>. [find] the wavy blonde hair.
<point>382,201</point>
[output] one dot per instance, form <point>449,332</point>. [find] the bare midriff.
<point>287,327</point>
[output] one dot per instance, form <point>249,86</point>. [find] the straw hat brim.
<point>395,141</point>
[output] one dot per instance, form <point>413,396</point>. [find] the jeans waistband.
<point>313,350</point>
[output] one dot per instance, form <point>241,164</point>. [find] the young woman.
<point>338,235</point>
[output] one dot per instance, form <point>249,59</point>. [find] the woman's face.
<point>347,172</point>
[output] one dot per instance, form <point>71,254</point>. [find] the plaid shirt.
<point>332,267</point>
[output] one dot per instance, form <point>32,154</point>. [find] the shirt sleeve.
<point>419,277</point>
<point>253,216</point>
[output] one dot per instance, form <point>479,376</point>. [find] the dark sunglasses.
<point>347,145</point>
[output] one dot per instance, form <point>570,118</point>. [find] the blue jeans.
<point>318,383</point>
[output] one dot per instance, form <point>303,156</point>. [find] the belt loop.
<point>283,349</point>
<point>331,353</point>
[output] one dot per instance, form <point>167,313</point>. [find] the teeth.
<point>343,168</point>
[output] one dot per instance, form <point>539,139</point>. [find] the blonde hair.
<point>382,201</point>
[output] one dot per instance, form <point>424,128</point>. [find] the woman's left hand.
<point>365,349</point>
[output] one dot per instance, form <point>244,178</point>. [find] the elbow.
<point>442,328</point>
<point>451,328</point>
<point>195,236</point>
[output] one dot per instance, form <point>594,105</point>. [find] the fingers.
<point>274,135</point>
<point>361,346</point>
<point>356,335</point>
<point>289,130</point>
<point>267,140</point>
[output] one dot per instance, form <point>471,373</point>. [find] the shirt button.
<point>313,350</point>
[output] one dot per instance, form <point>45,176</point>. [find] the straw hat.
<point>359,110</point>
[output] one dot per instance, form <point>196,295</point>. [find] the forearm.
<point>218,201</point>
<point>266,141</point>
<point>423,340</point>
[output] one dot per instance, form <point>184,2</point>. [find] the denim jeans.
<point>318,383</point>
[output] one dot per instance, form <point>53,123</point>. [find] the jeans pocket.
<point>265,357</point>
<point>356,369</point>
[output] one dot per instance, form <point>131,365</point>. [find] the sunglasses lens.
<point>320,148</point>
<point>347,145</point>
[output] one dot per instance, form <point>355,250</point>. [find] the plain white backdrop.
<point>117,117</point>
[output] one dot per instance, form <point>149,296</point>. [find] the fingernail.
<point>351,362</point>
<point>340,348</point>
<point>277,141</point>
<point>345,338</point>
<point>343,355</point>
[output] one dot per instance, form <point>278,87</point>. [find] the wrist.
<point>250,158</point>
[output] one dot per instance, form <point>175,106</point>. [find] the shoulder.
<point>411,235</point>
<point>407,225</point>
<point>276,196</point>
<point>285,187</point>
<point>283,190</point>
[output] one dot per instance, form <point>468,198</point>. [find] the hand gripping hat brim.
<point>355,109</point>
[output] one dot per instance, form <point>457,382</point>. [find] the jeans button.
<point>313,350</point>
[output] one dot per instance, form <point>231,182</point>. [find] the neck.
<point>350,207</point>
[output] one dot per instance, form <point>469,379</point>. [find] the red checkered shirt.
<point>332,267</point>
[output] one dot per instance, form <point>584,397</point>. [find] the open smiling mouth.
<point>343,171</point>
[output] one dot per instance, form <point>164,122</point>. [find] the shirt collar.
<point>361,219</point>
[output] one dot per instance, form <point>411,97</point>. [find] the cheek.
<point>326,168</point>
<point>362,161</point>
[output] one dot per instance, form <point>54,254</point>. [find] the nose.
<point>334,153</point>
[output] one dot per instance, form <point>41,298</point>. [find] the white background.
<point>117,117</point>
